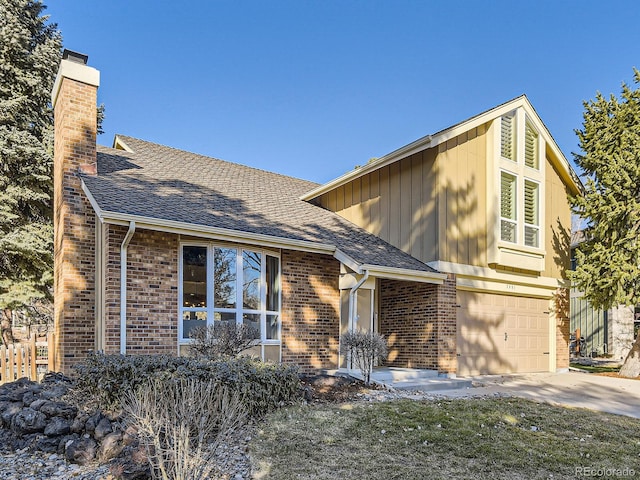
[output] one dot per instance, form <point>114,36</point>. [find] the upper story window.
<point>520,180</point>
<point>222,284</point>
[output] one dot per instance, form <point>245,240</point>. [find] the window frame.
<point>521,121</point>
<point>239,309</point>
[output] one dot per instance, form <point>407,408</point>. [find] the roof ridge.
<point>207,157</point>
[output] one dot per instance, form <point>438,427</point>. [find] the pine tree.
<point>608,262</point>
<point>29,58</point>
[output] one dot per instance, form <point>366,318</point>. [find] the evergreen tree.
<point>29,58</point>
<point>608,262</point>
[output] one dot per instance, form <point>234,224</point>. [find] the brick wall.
<point>419,321</point>
<point>152,291</point>
<point>74,223</point>
<point>310,310</point>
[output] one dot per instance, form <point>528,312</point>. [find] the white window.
<point>508,208</point>
<point>226,284</point>
<point>520,179</point>
<point>531,214</point>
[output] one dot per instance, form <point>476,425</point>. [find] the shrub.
<point>222,340</point>
<point>182,423</point>
<point>365,348</point>
<point>261,386</point>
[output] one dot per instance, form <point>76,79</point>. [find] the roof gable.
<point>429,141</point>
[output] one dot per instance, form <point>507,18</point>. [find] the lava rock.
<point>29,420</point>
<point>9,410</point>
<point>57,426</point>
<point>79,422</point>
<point>110,447</point>
<point>58,409</point>
<point>81,451</point>
<point>103,429</point>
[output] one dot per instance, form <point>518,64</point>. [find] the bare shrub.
<point>222,340</point>
<point>182,423</point>
<point>365,348</point>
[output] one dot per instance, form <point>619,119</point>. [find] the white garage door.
<point>502,334</point>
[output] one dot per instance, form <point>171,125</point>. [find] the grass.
<point>503,438</point>
<point>596,368</point>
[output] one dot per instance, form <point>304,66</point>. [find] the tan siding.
<point>436,193</point>
<point>558,224</point>
<point>462,199</point>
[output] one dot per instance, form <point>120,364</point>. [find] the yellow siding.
<point>462,199</point>
<point>558,224</point>
<point>396,203</point>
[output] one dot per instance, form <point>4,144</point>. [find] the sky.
<point>313,88</point>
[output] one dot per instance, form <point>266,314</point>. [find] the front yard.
<point>466,438</point>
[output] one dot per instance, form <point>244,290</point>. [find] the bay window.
<point>229,284</point>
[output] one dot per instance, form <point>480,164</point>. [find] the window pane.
<point>191,321</point>
<point>194,276</point>
<point>507,196</point>
<point>252,320</point>
<point>272,327</point>
<point>531,236</point>
<point>273,283</point>
<point>530,147</point>
<point>251,262</point>
<point>507,137</point>
<point>508,231</point>
<point>224,277</point>
<point>224,317</point>
<point>530,203</point>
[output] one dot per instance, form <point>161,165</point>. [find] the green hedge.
<point>262,386</point>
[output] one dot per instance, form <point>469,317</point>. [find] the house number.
<point>511,287</point>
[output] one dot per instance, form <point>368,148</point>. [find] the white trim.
<point>123,287</point>
<point>118,142</point>
<point>436,139</point>
<point>405,274</point>
<point>491,275</point>
<point>74,71</point>
<point>347,260</point>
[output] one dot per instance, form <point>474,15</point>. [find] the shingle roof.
<point>164,183</point>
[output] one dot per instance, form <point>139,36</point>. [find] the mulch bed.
<point>322,388</point>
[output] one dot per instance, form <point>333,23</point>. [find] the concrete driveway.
<point>572,389</point>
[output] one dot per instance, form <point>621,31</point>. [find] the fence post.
<point>12,362</point>
<point>18,350</point>
<point>3,364</point>
<point>33,353</point>
<point>50,352</point>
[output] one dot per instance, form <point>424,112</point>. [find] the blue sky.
<point>313,88</point>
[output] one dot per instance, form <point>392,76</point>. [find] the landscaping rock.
<point>47,444</point>
<point>58,409</point>
<point>36,404</point>
<point>9,410</point>
<point>110,447</point>
<point>92,422</point>
<point>57,426</point>
<point>103,429</point>
<point>81,451</point>
<point>78,425</point>
<point>29,420</point>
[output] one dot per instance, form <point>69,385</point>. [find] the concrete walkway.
<point>573,389</point>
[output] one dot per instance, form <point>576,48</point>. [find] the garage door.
<point>502,334</point>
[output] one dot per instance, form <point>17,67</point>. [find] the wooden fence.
<point>26,359</point>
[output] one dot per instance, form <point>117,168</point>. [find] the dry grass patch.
<point>464,438</point>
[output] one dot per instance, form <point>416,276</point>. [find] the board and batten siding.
<point>403,202</point>
<point>557,218</point>
<point>396,203</point>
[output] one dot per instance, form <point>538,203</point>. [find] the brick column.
<point>74,99</point>
<point>446,325</point>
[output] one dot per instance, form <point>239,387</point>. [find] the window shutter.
<point>530,147</point>
<point>508,207</point>
<point>531,214</point>
<point>507,137</point>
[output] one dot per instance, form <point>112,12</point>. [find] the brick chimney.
<point>74,99</point>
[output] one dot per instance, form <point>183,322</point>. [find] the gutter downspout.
<point>352,294</point>
<point>123,287</point>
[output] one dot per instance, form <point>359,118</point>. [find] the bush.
<point>261,386</point>
<point>222,340</point>
<point>365,348</point>
<point>182,423</point>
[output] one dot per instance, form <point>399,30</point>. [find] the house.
<point>454,247</point>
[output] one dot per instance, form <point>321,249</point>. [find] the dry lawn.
<point>503,438</point>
